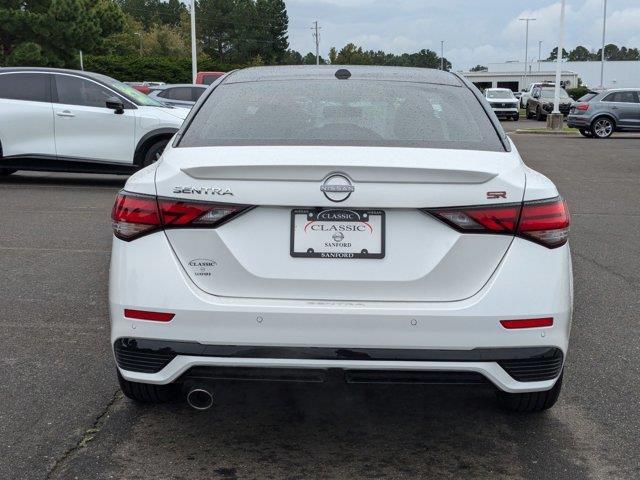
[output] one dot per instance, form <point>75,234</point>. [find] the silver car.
<point>599,114</point>
<point>178,95</point>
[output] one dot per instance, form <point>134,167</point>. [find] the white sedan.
<point>371,221</point>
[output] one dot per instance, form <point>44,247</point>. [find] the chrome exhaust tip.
<point>200,398</point>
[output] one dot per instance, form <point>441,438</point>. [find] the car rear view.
<point>374,222</point>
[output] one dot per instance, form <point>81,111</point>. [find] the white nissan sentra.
<point>369,224</point>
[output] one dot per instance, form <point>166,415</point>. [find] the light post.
<point>194,53</point>
<point>555,120</point>
<point>526,46</point>
<point>140,36</point>
<point>539,53</point>
<point>604,31</point>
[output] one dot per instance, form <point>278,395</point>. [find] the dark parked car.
<point>599,114</point>
<point>178,95</point>
<point>540,104</point>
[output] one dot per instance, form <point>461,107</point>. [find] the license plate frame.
<point>357,216</point>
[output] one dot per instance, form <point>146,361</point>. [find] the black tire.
<point>530,402</point>
<point>603,127</point>
<point>147,393</point>
<point>585,132</point>
<point>516,117</point>
<point>153,152</point>
<point>529,114</point>
<point>7,171</point>
<point>539,116</point>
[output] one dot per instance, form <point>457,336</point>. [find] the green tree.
<point>164,41</point>
<point>479,68</point>
<point>59,27</point>
<point>579,54</point>
<point>554,54</point>
<point>27,54</point>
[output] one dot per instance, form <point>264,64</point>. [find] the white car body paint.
<point>436,288</point>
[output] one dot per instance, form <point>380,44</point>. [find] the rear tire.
<point>585,132</point>
<point>154,152</point>
<point>530,402</point>
<point>529,114</point>
<point>602,127</point>
<point>539,116</point>
<point>147,393</point>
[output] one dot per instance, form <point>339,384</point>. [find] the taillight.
<point>135,215</point>
<point>582,106</point>
<point>542,221</point>
<point>545,222</point>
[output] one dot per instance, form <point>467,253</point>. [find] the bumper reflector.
<point>528,323</point>
<point>145,315</point>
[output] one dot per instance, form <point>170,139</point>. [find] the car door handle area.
<point>65,113</point>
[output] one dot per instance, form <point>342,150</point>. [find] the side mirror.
<point>114,103</point>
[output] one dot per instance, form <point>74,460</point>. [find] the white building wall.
<point>616,74</point>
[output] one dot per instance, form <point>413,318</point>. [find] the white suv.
<point>66,120</point>
<point>371,222</point>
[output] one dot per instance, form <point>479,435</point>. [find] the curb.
<point>524,131</point>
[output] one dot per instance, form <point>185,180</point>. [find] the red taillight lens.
<point>527,323</point>
<point>492,219</point>
<point>582,106</point>
<point>136,215</point>
<point>545,221</point>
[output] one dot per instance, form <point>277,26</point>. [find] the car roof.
<point>81,73</point>
<point>358,72</point>
<point>500,89</point>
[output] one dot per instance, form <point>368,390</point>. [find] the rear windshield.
<point>342,113</point>
<point>588,97</point>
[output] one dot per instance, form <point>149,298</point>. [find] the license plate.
<point>337,233</point>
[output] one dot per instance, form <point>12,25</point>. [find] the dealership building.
<point>511,75</point>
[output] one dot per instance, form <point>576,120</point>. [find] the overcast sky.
<point>474,31</point>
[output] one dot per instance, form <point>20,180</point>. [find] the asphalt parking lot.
<point>62,415</point>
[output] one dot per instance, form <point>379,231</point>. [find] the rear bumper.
<point>525,367</point>
<point>578,121</point>
<point>530,282</point>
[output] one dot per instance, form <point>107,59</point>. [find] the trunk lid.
<point>424,259</point>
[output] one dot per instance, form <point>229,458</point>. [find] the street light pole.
<point>194,53</point>
<point>441,54</point>
<point>604,31</point>
<point>539,53</point>
<point>526,47</point>
<point>554,121</point>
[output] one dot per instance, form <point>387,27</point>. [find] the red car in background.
<point>140,86</point>
<point>207,78</point>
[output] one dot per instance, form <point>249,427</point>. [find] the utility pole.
<point>604,31</point>
<point>194,53</point>
<point>316,36</point>
<point>539,53</point>
<point>554,121</point>
<point>81,61</point>
<point>139,34</point>
<point>526,46</point>
<point>441,54</point>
